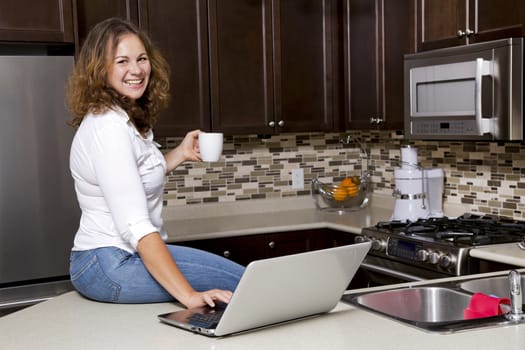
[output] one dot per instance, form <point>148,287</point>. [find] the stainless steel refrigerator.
<point>39,213</point>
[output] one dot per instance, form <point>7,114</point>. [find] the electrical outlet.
<point>298,179</point>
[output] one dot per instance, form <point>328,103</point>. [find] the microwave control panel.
<point>452,127</point>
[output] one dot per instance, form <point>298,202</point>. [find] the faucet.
<point>516,299</point>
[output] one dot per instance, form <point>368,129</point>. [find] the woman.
<point>119,85</point>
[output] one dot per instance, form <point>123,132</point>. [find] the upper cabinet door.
<point>362,63</point>
<point>377,37</point>
<point>273,65</point>
<point>445,23</point>
<point>241,66</point>
<point>36,20</point>
<point>441,23</point>
<point>90,12</point>
<point>180,30</point>
<point>305,80</point>
<point>496,19</point>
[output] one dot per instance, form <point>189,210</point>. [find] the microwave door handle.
<point>482,68</point>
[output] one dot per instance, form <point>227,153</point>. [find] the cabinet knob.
<point>376,120</point>
<point>271,244</point>
<point>226,254</point>
<point>272,123</point>
<point>466,32</point>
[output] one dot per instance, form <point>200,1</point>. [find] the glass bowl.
<point>348,195</point>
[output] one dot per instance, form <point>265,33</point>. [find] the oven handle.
<point>393,273</point>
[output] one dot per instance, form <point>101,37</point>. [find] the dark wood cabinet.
<point>495,19</point>
<point>180,30</point>
<point>244,249</point>
<point>37,21</point>
<point>306,56</point>
<point>241,249</point>
<point>484,266</point>
<point>243,66</point>
<point>377,35</point>
<point>273,65</point>
<point>90,12</point>
<point>332,238</point>
<point>279,244</point>
<point>445,23</point>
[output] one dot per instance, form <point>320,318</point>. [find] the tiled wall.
<point>488,175</point>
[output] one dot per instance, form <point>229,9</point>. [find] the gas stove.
<point>442,244</point>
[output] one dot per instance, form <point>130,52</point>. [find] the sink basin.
<point>433,308</point>
<point>426,304</point>
<point>498,286</point>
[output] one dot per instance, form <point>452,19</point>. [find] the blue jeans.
<point>113,275</point>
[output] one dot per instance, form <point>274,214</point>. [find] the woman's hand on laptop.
<point>209,297</point>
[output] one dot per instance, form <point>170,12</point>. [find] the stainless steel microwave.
<point>472,92</point>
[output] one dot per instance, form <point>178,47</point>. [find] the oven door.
<point>378,271</point>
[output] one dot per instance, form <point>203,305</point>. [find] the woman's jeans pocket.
<point>89,279</point>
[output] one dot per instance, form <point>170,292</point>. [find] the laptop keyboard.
<point>207,320</point>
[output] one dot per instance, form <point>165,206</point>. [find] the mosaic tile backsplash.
<point>489,176</point>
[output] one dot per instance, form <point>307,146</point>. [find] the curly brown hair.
<point>87,91</point>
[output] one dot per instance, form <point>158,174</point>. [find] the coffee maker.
<point>418,191</point>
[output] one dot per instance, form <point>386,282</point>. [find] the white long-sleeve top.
<point>119,182</point>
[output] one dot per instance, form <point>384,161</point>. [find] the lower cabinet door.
<point>241,249</point>
<point>244,249</point>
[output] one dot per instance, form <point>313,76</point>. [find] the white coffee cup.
<point>210,146</point>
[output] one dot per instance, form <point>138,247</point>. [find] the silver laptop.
<point>278,290</point>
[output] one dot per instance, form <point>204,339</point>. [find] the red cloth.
<point>483,305</point>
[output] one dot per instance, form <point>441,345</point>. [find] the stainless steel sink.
<point>432,308</point>
<point>426,304</point>
<point>498,286</point>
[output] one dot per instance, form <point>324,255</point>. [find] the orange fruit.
<point>340,193</point>
<point>352,191</point>
<point>351,185</point>
<point>347,182</point>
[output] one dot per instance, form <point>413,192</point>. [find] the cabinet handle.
<point>272,123</point>
<point>226,254</point>
<point>271,244</point>
<point>466,32</point>
<point>376,120</point>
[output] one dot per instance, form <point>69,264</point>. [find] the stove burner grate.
<point>470,229</point>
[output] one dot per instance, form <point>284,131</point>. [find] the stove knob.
<point>447,260</point>
<point>434,258</point>
<point>378,244</point>
<point>422,255</point>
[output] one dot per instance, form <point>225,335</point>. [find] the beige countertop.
<point>505,253</point>
<point>72,322</point>
<point>266,216</point>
